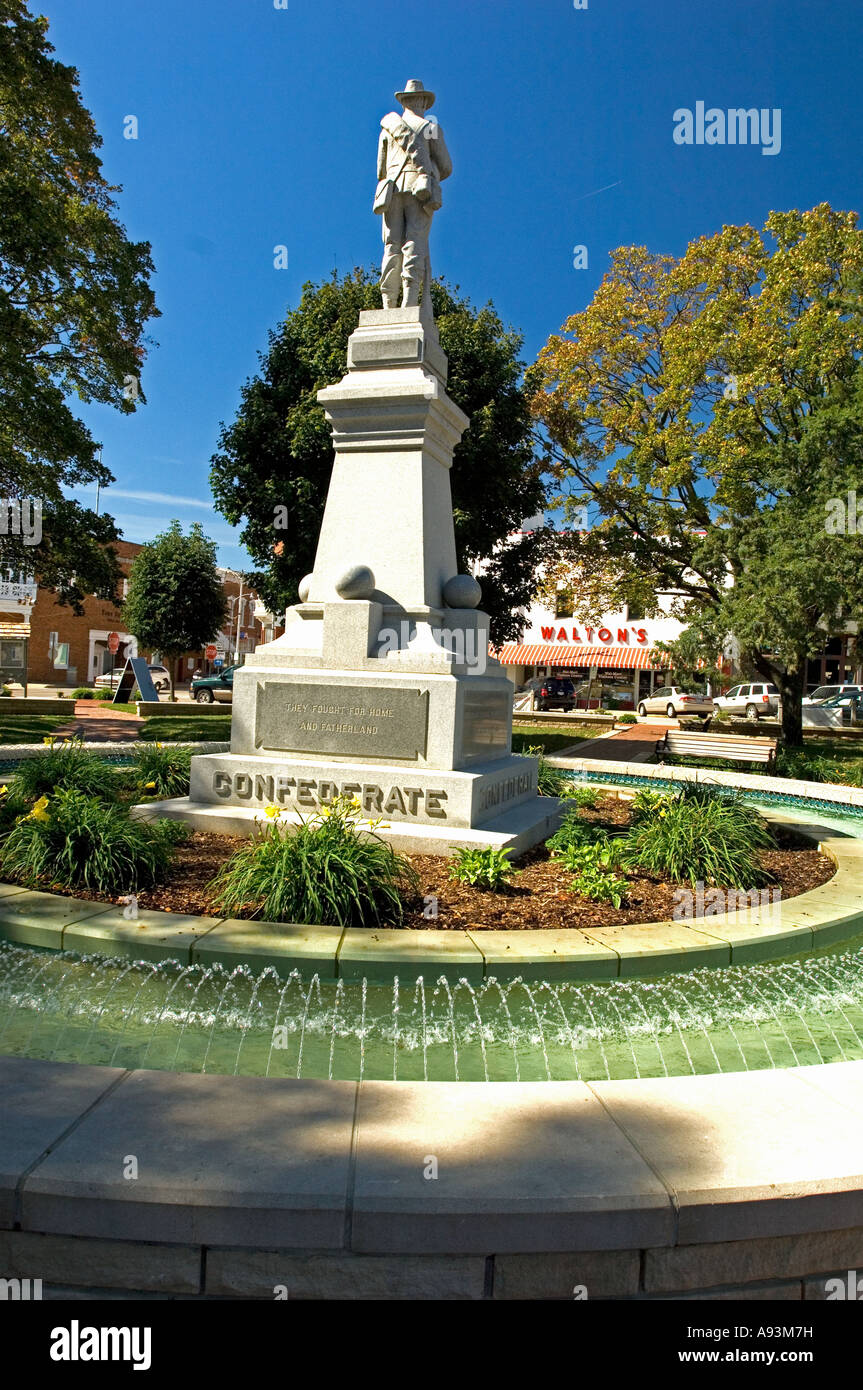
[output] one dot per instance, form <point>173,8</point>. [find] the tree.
<point>176,602</point>
<point>707,409</point>
<point>274,461</point>
<point>74,298</point>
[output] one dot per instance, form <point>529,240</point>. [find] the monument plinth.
<point>382,686</point>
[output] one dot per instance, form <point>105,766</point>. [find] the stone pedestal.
<point>381,687</point>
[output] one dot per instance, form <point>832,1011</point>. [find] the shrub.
<point>700,834</point>
<point>592,869</point>
<point>64,765</point>
<point>163,771</point>
<point>78,841</point>
<point>810,767</point>
<point>646,803</point>
<point>6,692</point>
<point>573,831</point>
<point>483,868</point>
<point>12,806</point>
<point>549,780</point>
<point>83,692</point>
<point>627,718</point>
<point>324,870</point>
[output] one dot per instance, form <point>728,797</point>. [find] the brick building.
<point>68,649</point>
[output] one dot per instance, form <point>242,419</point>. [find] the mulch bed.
<point>538,897</point>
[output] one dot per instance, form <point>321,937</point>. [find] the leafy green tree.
<point>74,298</point>
<point>176,601</point>
<point>275,459</point>
<point>706,410</point>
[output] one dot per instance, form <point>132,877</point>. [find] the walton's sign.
<point>603,634</point>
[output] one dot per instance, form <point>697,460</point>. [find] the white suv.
<point>753,700</point>
<point>826,692</point>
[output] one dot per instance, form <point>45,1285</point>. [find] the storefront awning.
<point>18,630</point>
<point>572,655</point>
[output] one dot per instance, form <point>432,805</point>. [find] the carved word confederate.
<point>305,791</point>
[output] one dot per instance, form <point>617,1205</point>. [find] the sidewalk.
<point>633,744</point>
<point>98,725</point>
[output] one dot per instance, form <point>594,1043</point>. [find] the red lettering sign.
<point>604,635</point>
<point>547,634</point>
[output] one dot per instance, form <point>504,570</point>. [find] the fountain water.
<point>194,1018</point>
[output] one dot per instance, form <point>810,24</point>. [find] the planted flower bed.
<point>65,826</point>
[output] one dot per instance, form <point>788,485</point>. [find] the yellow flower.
<point>662,815</point>
<point>149,786</point>
<point>39,811</point>
<point>3,790</point>
<point>272,812</point>
<point>160,745</point>
<point>49,739</point>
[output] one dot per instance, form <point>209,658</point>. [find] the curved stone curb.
<point>733,1185</point>
<point>821,917</point>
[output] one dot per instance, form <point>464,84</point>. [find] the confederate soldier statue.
<point>412,161</point>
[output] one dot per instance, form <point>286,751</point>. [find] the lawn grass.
<point>31,728</point>
<point>176,728</point>
<point>525,736</point>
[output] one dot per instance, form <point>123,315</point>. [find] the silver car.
<point>750,701</point>
<point>673,700</point>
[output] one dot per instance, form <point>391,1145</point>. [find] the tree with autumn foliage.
<point>74,299</point>
<point>707,410</point>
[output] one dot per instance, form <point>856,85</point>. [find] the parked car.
<point>753,700</point>
<point>672,701</point>
<point>828,692</point>
<point>219,686</point>
<point>555,693</point>
<point>851,705</point>
<point>160,674</point>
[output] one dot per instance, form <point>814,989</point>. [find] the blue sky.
<point>257,128</point>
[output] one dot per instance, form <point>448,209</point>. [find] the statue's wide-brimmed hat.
<point>414,88</point>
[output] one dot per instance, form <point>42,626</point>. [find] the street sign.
<point>211,652</point>
<point>113,642</point>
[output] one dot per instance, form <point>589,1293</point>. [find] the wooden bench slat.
<point>703,745</point>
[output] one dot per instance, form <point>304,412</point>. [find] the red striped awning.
<point>570,655</point>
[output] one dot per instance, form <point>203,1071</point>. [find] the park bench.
<point>700,745</point>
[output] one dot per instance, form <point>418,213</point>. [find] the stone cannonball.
<point>357,582</point>
<point>304,587</point>
<point>462,591</point>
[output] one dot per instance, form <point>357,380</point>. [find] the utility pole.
<point>239,617</point>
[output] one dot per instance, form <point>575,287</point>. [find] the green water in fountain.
<point>808,1010</point>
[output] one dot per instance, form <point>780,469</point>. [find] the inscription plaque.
<point>487,723</point>
<point>354,721</point>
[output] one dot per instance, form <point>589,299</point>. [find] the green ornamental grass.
<point>75,841</point>
<point>162,770</point>
<point>699,833</point>
<point>326,869</point>
<point>69,766</point>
